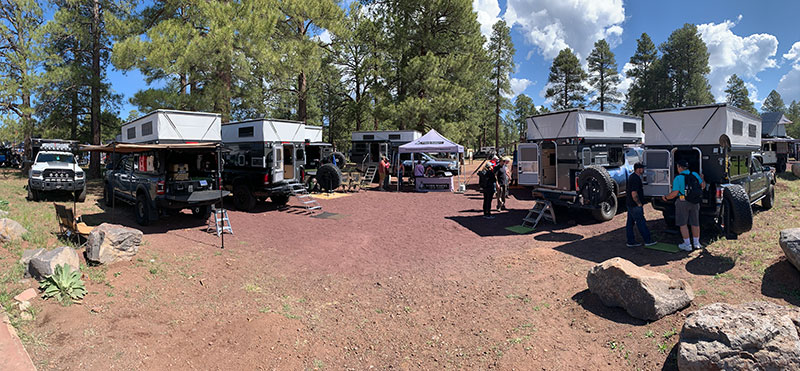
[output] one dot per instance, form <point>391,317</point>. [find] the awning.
<point>431,142</point>
<point>134,148</point>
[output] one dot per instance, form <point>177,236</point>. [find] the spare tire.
<point>340,159</point>
<point>595,185</point>
<point>329,177</point>
<point>737,214</point>
<point>607,209</point>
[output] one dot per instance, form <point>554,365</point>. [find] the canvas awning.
<point>431,142</point>
<point>134,148</point>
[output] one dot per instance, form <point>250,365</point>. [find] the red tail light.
<point>219,183</point>
<point>576,182</point>
<point>160,187</point>
<point>720,192</point>
<point>302,174</point>
<point>266,179</point>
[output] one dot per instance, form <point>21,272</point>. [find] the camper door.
<point>528,167</point>
<point>657,165</point>
<point>277,163</point>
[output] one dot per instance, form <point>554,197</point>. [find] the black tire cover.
<point>605,185</point>
<point>340,159</point>
<point>329,177</point>
<point>741,215</point>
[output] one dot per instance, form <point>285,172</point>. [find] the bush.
<point>65,285</point>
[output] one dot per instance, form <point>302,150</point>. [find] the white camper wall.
<point>387,135</point>
<point>173,126</point>
<point>313,134</point>
<point>264,131</point>
<point>573,124</point>
<point>685,127</point>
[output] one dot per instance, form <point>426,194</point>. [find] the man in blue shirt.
<point>686,213</point>
<point>635,202</point>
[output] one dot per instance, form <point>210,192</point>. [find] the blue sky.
<point>753,39</point>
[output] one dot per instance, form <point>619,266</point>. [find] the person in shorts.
<point>687,214</point>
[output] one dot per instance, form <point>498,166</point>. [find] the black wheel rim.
<point>140,210</point>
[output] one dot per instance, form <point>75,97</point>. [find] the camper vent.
<point>594,125</point>
<point>246,132</point>
<point>751,129</point>
<point>738,127</point>
<point>132,132</point>
<point>147,128</point>
<point>394,136</point>
<point>629,127</point>
<point>369,137</point>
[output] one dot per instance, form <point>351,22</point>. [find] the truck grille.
<point>58,175</point>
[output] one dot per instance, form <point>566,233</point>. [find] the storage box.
<point>179,171</point>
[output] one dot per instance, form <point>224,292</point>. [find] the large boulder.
<point>796,169</point>
<point>29,254</point>
<point>108,243</point>
<point>10,230</point>
<point>45,263</point>
<point>642,293</point>
<point>752,336</point>
<point>790,244</point>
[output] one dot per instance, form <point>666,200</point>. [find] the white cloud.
<point>794,53</point>
<point>625,82</point>
<point>789,86</point>
<point>552,25</point>
<point>488,12</point>
<point>518,86</point>
<point>733,54</point>
<point>753,93</point>
<point>324,37</point>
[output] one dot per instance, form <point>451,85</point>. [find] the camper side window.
<point>147,128</point>
<point>246,132</point>
<point>528,154</point>
<point>594,125</point>
<point>738,127</point>
<point>629,127</point>
<point>132,132</point>
<point>751,129</point>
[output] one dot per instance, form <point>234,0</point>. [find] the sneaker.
<point>699,246</point>
<point>685,246</point>
<point>488,217</point>
<point>651,243</point>
<point>635,244</point>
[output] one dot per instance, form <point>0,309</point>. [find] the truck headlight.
<point>36,173</point>
<point>452,165</point>
<point>79,175</point>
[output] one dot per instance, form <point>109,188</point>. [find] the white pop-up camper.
<point>710,125</point>
<point>369,146</point>
<point>170,126</point>
<point>579,123</point>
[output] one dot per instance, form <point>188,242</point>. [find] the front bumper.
<point>60,185</point>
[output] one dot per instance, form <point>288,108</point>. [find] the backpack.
<point>693,192</point>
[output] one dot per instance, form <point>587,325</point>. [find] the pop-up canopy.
<point>431,142</point>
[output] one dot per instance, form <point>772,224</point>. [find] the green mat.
<point>519,229</point>
<point>666,247</point>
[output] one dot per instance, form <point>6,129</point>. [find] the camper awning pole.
<point>219,186</point>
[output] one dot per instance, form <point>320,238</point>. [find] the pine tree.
<point>523,108</point>
<point>565,83</point>
<point>641,94</point>
<point>773,103</point>
<point>738,96</point>
<point>501,54</point>
<point>685,57</point>
<point>603,76</point>
<point>793,114</point>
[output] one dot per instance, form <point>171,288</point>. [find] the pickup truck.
<point>439,166</point>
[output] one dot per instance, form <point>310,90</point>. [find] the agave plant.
<point>64,284</point>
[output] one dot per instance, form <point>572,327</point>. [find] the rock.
<point>3,214</point>
<point>642,293</point>
<point>796,169</point>
<point>790,244</point>
<point>27,255</point>
<point>752,336</point>
<point>45,263</point>
<point>25,316</point>
<point>108,243</point>
<point>24,305</point>
<point>10,230</point>
<point>26,295</point>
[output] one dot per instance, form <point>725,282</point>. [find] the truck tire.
<point>80,196</point>
<point>769,199</point>
<point>242,197</point>
<point>202,212</point>
<point>329,177</point>
<point>279,199</point>
<point>340,159</point>
<point>607,210</point>
<point>142,209</point>
<point>737,216</point>
<point>108,195</point>
<point>595,185</point>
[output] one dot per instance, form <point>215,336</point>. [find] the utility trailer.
<point>580,159</point>
<point>718,141</point>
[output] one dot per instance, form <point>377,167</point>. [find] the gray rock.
<point>752,336</point>
<point>790,244</point>
<point>10,230</point>
<point>108,243</point>
<point>45,263</point>
<point>796,169</point>
<point>27,255</point>
<point>642,293</point>
<point>3,214</point>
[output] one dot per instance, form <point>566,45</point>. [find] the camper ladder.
<point>542,209</point>
<point>221,222</point>
<point>369,176</point>
<point>300,191</point>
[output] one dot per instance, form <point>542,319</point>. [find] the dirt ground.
<point>396,280</point>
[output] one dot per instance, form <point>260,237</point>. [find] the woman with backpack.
<point>688,189</point>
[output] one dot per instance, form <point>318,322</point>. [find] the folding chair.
<point>346,181</point>
<point>355,181</point>
<point>70,226</point>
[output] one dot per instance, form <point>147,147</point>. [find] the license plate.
<point>191,189</point>
<point>203,183</point>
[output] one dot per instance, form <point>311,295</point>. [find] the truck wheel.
<point>329,177</point>
<point>607,210</point>
<point>242,198</point>
<point>279,200</point>
<point>202,212</point>
<point>769,199</point>
<point>80,196</point>
<point>142,210</point>
<point>737,216</point>
<point>340,159</point>
<point>33,195</point>
<point>108,195</point>
<point>595,185</point>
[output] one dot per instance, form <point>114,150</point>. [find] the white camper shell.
<point>405,136</point>
<point>710,125</point>
<point>269,130</point>
<point>170,126</point>
<point>579,123</point>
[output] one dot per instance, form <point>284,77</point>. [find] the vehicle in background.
<point>442,167</point>
<point>775,144</point>
<point>9,156</point>
<point>580,159</point>
<point>54,169</point>
<point>369,146</point>
<point>484,152</point>
<point>718,141</point>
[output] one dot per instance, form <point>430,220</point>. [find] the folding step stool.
<point>369,176</point>
<point>543,209</point>
<point>310,203</point>
<point>221,222</point>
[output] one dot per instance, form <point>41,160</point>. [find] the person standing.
<point>382,174</point>
<point>635,202</point>
<point>488,183</point>
<point>687,188</point>
<point>501,173</point>
<point>400,170</point>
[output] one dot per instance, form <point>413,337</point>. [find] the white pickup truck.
<point>54,169</point>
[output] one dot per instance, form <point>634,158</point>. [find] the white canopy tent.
<point>431,142</point>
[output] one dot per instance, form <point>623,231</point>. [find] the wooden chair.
<point>70,226</point>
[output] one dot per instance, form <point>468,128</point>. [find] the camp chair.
<point>355,181</point>
<point>70,226</point>
<point>346,181</point>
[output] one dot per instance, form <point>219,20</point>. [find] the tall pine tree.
<point>565,83</point>
<point>603,76</point>
<point>738,96</point>
<point>501,54</point>
<point>685,57</point>
<point>523,108</point>
<point>773,103</point>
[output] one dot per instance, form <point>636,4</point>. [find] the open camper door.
<point>277,164</point>
<point>657,165</point>
<point>528,167</point>
<point>384,150</point>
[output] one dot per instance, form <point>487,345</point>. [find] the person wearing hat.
<point>501,173</point>
<point>488,182</point>
<point>635,202</point>
<point>686,213</point>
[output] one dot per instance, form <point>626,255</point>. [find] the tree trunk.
<point>358,102</point>
<point>497,111</point>
<point>27,129</point>
<point>302,102</point>
<point>74,115</point>
<point>94,161</point>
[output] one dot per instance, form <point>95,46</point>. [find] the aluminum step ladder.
<point>222,223</point>
<point>369,176</point>
<point>543,209</point>
<point>300,191</point>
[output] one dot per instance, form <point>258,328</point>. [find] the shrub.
<point>64,284</point>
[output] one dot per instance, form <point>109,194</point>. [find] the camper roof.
<point>713,124</point>
<point>580,123</point>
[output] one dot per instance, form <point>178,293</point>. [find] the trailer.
<point>369,146</point>
<point>171,126</point>
<point>775,144</point>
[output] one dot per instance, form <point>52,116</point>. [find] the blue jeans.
<point>636,216</point>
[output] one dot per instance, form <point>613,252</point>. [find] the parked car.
<point>54,169</point>
<point>441,167</point>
